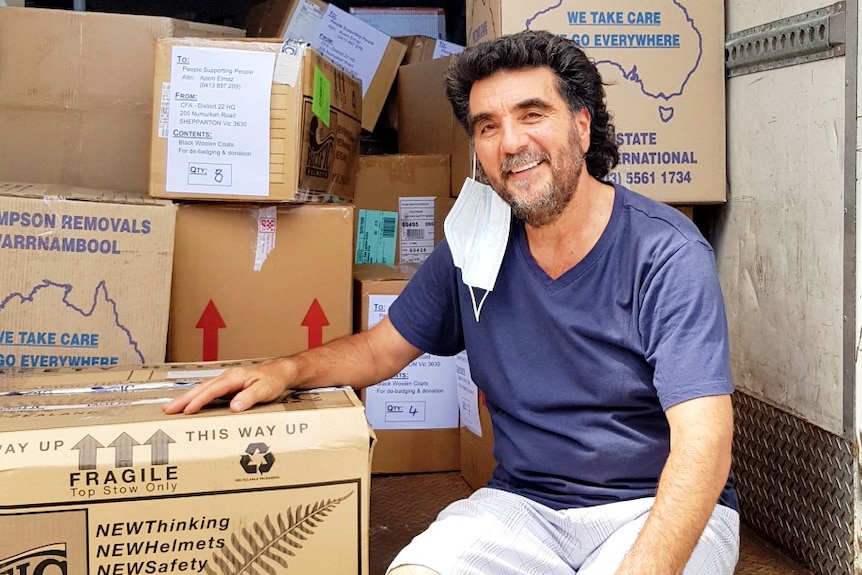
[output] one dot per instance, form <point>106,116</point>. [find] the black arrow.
<point>159,445</point>
<point>87,452</point>
<point>268,460</point>
<point>123,446</point>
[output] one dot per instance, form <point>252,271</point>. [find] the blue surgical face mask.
<point>477,230</point>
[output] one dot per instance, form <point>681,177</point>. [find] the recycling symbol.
<point>253,449</point>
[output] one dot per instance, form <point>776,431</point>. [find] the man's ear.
<point>583,120</point>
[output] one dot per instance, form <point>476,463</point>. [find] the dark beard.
<point>545,209</point>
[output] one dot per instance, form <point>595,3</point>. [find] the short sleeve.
<point>427,312</point>
<point>683,326</point>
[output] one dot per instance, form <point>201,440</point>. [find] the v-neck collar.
<point>573,273</point>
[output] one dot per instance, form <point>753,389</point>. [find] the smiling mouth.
<point>524,167</point>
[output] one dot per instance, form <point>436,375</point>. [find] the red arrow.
<point>210,322</point>
<point>315,320</point>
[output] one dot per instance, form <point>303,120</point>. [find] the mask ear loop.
<point>473,163</point>
<point>477,309</point>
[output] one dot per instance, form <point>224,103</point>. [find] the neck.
<point>591,204</point>
<point>561,244</point>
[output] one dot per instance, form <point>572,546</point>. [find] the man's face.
<point>529,144</point>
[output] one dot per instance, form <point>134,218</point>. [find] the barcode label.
<point>390,224</point>
<point>417,228</point>
<point>375,244</point>
<point>164,109</point>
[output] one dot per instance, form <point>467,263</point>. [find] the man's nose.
<point>513,139</point>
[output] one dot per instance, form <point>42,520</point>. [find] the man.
<point>595,328</point>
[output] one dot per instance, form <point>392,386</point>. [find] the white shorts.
<point>494,532</point>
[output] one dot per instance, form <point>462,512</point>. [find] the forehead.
<point>507,88</point>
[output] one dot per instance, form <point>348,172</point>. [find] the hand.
<point>253,384</point>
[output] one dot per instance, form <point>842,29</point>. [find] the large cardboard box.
<point>412,188</point>
<point>414,414</point>
<point>426,124</point>
<point>252,121</point>
<point>664,66</point>
<point>258,281</point>
<point>76,95</point>
<point>103,482</point>
<point>419,49</point>
<point>85,275</point>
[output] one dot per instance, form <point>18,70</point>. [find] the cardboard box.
<point>257,281</point>
<point>477,433</point>
<point>405,410</point>
<point>477,452</point>
<point>295,19</point>
<point>387,183</point>
<point>254,17</point>
<point>97,486</point>
<point>423,48</point>
<point>419,49</point>
<point>664,69</point>
<point>246,121</point>
<point>86,277</point>
<point>687,210</point>
<point>426,124</point>
<point>76,93</point>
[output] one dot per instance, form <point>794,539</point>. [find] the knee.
<point>412,570</point>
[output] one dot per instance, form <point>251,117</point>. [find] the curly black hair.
<point>578,82</point>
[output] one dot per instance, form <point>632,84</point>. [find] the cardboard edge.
<point>382,83</point>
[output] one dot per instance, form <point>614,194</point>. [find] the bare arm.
<point>701,432</point>
<point>357,360</point>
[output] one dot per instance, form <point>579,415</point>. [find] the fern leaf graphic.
<point>266,546</point>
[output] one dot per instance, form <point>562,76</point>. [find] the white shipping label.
<point>442,48</point>
<point>218,121</point>
<point>305,21</point>
<point>267,220</point>
<point>422,396</point>
<point>351,43</point>
<point>468,395</point>
<point>417,228</point>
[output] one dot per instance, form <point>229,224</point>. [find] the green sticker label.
<point>321,101</point>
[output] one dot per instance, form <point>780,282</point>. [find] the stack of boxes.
<point>242,220</point>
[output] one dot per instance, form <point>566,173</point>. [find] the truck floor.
<point>403,505</point>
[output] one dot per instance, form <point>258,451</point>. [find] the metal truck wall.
<point>780,249</point>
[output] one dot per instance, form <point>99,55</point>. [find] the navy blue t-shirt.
<point>578,370</point>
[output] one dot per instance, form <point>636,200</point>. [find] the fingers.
<point>251,386</point>
<point>263,388</point>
